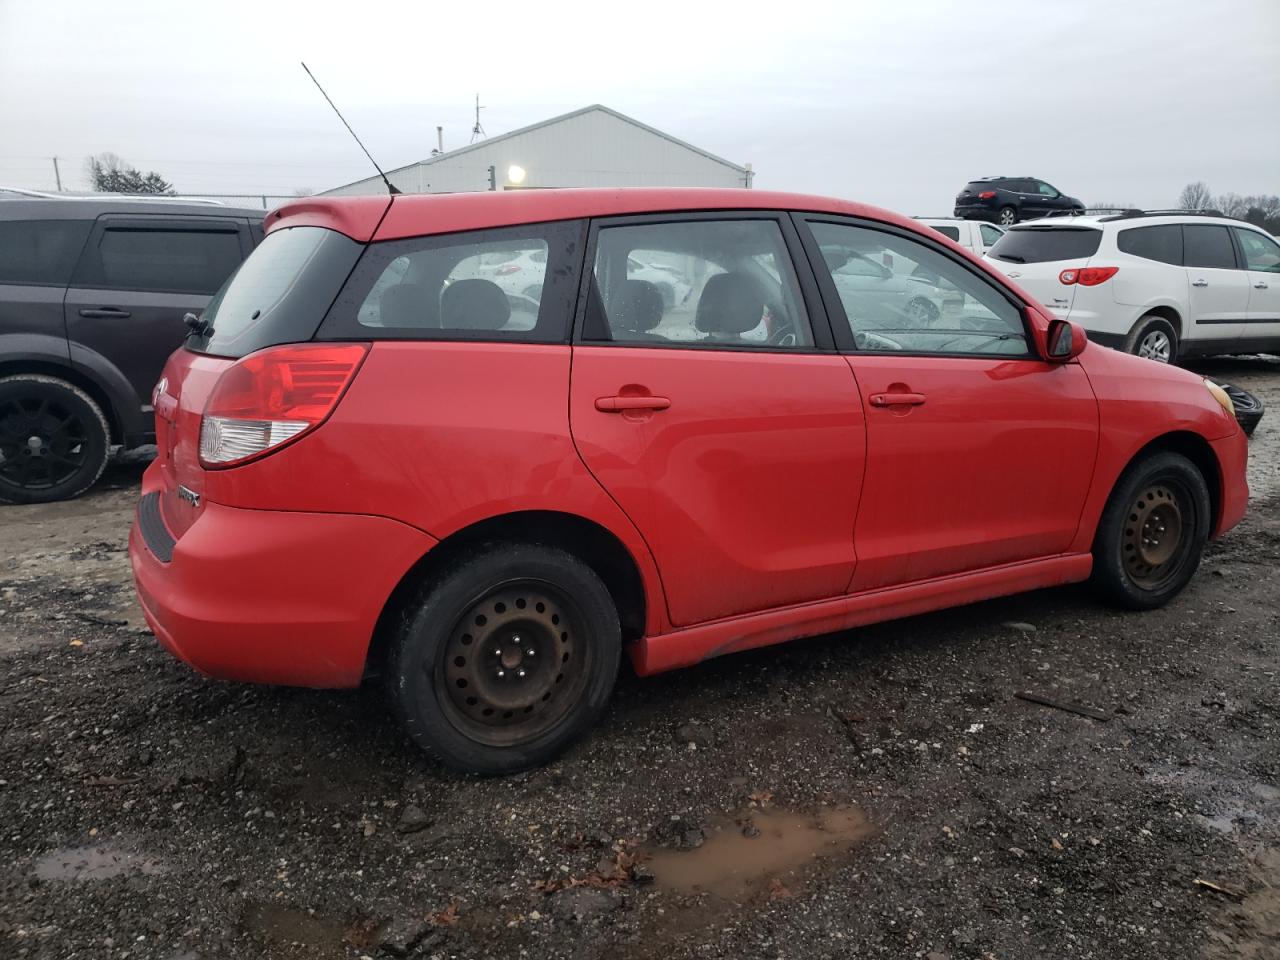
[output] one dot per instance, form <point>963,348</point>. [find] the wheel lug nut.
<point>497,653</point>
<point>502,673</point>
<point>529,652</point>
<point>520,673</point>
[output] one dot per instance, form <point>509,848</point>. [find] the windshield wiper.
<point>988,338</point>
<point>1010,256</point>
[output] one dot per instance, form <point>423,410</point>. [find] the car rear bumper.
<point>272,597</point>
<point>1232,453</point>
<point>975,211</point>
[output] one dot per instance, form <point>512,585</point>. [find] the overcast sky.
<point>891,102</point>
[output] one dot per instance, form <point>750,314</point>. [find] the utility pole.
<point>56,175</point>
<point>477,132</point>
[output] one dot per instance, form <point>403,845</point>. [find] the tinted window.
<point>1154,243</point>
<point>1045,190</point>
<point>952,232</point>
<point>914,299</point>
<point>508,284</point>
<point>176,261</point>
<point>1260,253</point>
<point>1205,246</point>
<point>1043,244</point>
<point>40,251</point>
<point>990,234</point>
<point>697,282</point>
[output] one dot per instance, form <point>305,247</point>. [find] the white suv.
<point>1161,285</point>
<point>973,235</point>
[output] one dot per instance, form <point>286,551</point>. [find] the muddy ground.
<point>882,793</point>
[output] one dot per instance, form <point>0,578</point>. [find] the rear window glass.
<point>512,283</point>
<point>1163,243</point>
<point>1206,246</point>
<point>279,294</point>
<point>1043,244</point>
<point>952,232</point>
<point>40,252</point>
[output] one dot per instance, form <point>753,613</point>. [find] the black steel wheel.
<point>505,657</point>
<point>54,440</point>
<point>1152,531</point>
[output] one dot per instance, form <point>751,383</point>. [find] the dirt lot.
<point>880,793</point>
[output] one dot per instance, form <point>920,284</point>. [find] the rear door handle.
<point>106,313</point>
<point>622,404</point>
<point>1199,283</point>
<point>894,399</point>
<point>1260,285</point>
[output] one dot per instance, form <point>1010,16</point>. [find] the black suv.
<point>1006,200</point>
<point>92,297</point>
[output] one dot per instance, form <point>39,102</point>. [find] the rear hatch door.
<point>1033,255</point>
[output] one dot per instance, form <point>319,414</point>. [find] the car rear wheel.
<point>505,658</point>
<point>54,439</point>
<point>1007,216</point>
<point>1152,532</point>
<point>1154,339</point>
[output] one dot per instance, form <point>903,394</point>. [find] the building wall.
<point>592,149</point>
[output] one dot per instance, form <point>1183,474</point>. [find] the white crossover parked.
<point>1161,285</point>
<point>974,235</point>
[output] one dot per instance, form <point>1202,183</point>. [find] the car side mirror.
<point>1066,340</point>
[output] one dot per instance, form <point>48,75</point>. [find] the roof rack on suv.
<point>1129,214</point>
<point>138,197</point>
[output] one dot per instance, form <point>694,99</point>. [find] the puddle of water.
<point>290,925</point>
<point>94,863</point>
<point>735,862</point>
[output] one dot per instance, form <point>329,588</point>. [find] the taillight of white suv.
<point>1087,276</point>
<point>273,397</point>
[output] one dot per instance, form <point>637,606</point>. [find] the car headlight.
<point>1222,397</point>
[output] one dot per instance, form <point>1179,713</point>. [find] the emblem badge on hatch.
<point>189,495</point>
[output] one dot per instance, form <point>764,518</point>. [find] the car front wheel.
<point>505,658</point>
<point>54,439</point>
<point>1152,532</point>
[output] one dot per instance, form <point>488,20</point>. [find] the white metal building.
<point>591,147</point>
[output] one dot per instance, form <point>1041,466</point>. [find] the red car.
<point>374,459</point>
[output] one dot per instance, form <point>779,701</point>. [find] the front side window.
<point>720,283</point>
<point>1260,253</point>
<point>172,261</point>
<point>1046,190</point>
<point>512,283</point>
<point>901,296</point>
<point>1208,246</point>
<point>990,234</point>
<point>40,252</point>
<point>1162,243</point>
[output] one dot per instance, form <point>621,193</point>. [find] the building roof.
<point>595,107</point>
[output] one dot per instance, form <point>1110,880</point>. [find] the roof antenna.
<point>477,132</point>
<point>391,188</point>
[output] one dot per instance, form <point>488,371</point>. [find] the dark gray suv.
<point>92,297</point>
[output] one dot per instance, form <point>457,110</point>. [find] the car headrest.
<point>637,306</point>
<point>730,303</point>
<point>474,305</point>
<point>405,305</point>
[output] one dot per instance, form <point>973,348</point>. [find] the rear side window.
<point>516,283</point>
<point>1208,246</point>
<point>40,252</point>
<point>169,261</point>
<point>1044,244</point>
<point>950,232</point>
<point>279,294</point>
<point>1163,243</point>
<point>990,234</point>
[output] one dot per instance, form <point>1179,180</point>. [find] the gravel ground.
<point>907,803</point>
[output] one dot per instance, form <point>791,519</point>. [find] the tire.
<point>457,664</point>
<point>1007,216</point>
<point>1153,337</point>
<point>1249,409</point>
<point>1163,495</point>
<point>54,439</point>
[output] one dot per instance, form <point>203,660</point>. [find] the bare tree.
<point>1195,196</point>
<point>1113,206</point>
<point>1231,204</point>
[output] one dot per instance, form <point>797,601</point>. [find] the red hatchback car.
<point>483,444</point>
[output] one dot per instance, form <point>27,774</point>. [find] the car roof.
<point>1102,221</point>
<point>90,208</point>
<point>412,215</point>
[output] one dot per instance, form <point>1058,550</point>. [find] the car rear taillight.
<point>986,195</point>
<point>1088,276</point>
<point>274,396</point>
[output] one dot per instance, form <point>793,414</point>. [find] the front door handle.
<point>1199,283</point>
<point>106,313</point>
<point>623,404</point>
<point>894,399</point>
<point>1260,285</point>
